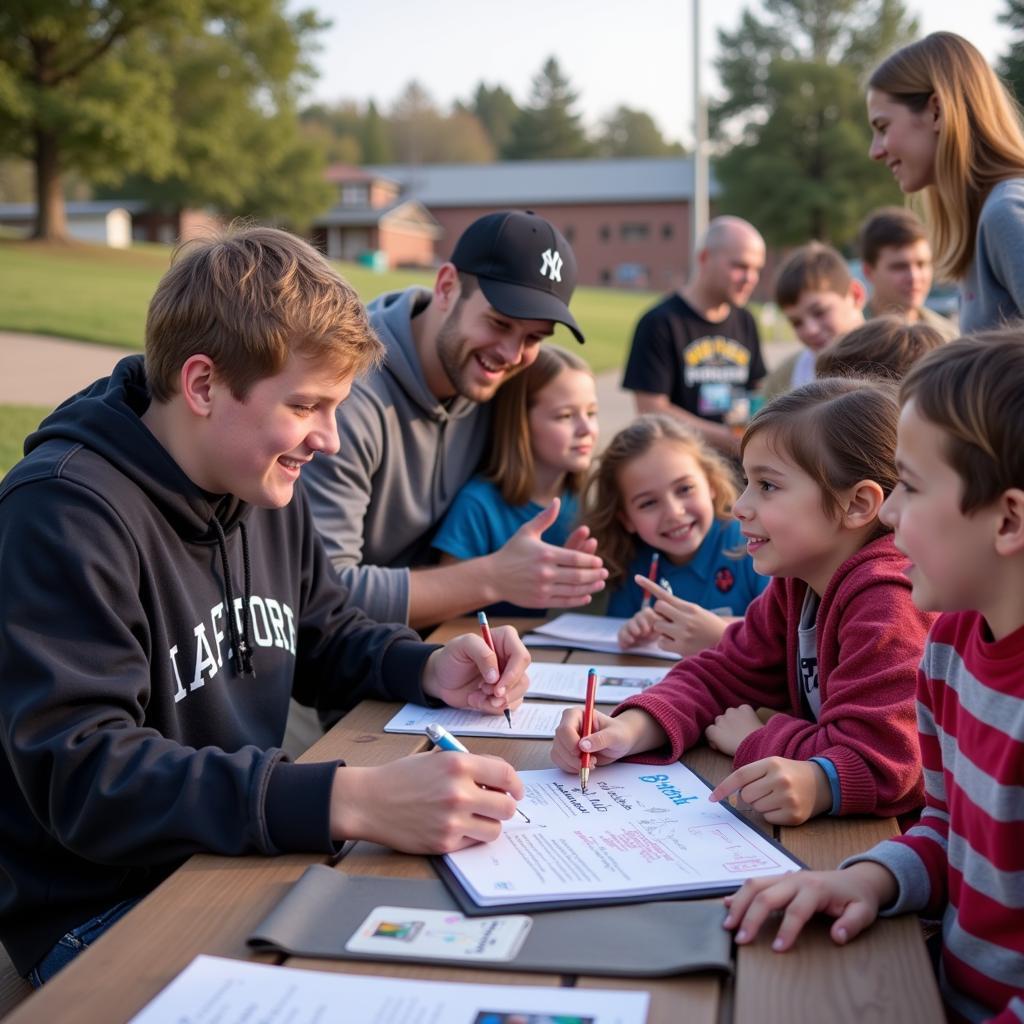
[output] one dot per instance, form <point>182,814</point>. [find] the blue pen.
<point>442,738</point>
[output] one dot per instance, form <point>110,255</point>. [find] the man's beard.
<point>451,353</point>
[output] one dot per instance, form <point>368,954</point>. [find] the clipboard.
<point>470,908</point>
<point>325,907</point>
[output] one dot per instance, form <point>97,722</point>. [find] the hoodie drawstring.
<point>241,644</point>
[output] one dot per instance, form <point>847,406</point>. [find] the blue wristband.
<point>833,781</point>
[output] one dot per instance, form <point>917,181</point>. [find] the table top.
<point>212,903</point>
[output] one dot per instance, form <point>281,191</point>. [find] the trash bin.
<point>375,259</point>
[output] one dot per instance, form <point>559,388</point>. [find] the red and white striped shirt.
<point>964,860</point>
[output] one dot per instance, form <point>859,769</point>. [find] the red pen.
<point>652,575</point>
<point>485,629</point>
<point>588,725</point>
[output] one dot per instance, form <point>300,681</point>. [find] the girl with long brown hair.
<point>947,127</point>
<point>542,440</point>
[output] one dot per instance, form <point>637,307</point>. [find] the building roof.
<point>92,208</point>
<point>402,211</point>
<point>546,182</point>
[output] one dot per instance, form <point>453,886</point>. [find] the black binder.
<point>325,907</point>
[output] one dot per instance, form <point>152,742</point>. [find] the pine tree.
<point>548,127</point>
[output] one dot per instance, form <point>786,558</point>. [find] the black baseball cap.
<point>526,268</point>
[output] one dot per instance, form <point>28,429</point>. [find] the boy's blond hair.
<point>885,348</point>
<point>812,267</point>
<point>604,506</point>
<point>973,390</point>
<point>248,298</point>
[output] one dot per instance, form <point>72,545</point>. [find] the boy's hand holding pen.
<point>467,673</point>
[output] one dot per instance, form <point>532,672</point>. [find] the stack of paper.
<point>569,682</point>
<point>213,989</point>
<point>529,721</point>
<point>590,633</point>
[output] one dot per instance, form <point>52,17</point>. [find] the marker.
<point>652,575</point>
<point>485,629</point>
<point>588,725</point>
<point>444,740</point>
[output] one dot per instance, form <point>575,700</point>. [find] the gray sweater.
<point>992,290</point>
<point>404,456</point>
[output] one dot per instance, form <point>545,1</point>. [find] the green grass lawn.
<point>16,423</point>
<point>98,294</point>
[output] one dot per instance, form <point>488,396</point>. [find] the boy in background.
<point>958,513</point>
<point>822,300</point>
<point>164,596</point>
<point>897,262</point>
<point>884,348</point>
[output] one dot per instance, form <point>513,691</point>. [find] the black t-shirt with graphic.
<point>697,363</point>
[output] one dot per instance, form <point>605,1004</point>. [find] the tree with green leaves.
<point>498,113</point>
<point>794,110</point>
<point>195,98</point>
<point>548,127</point>
<point>627,132</point>
<point>376,145</point>
<point>1011,67</point>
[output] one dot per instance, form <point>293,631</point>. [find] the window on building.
<point>570,233</point>
<point>355,195</point>
<point>606,276</point>
<point>634,231</point>
<point>667,231</point>
<point>605,233</point>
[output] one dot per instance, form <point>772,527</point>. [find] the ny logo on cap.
<point>552,265</point>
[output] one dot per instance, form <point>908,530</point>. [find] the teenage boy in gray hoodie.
<point>413,432</point>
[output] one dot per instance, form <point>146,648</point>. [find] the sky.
<point>632,52</point>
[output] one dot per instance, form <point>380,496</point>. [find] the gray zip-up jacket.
<point>404,456</point>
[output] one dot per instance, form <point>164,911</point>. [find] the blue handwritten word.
<point>661,782</point>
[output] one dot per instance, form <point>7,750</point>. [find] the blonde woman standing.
<point>945,125</point>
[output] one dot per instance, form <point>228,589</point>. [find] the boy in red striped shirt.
<point>958,514</point>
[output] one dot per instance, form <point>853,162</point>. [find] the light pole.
<point>699,204</point>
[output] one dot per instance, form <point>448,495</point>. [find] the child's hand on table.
<point>785,791</point>
<point>853,896</point>
<point>731,728</point>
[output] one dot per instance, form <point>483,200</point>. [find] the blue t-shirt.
<point>711,578</point>
<point>480,521</point>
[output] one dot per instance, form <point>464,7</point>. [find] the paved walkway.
<point>40,370</point>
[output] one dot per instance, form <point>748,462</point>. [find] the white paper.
<point>212,990</point>
<point>590,633</point>
<point>569,682</point>
<point>529,721</point>
<point>638,830</point>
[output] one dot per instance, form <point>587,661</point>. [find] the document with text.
<point>569,682</point>
<point>590,633</point>
<point>529,721</point>
<point>214,990</point>
<point>639,831</point>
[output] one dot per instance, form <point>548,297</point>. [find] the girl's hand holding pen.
<point>681,627</point>
<point>465,673</point>
<point>610,739</point>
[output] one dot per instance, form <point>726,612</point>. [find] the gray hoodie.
<point>404,456</point>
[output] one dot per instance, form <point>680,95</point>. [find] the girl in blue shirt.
<point>659,488</point>
<point>542,440</point>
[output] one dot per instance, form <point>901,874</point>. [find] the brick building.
<point>628,219</point>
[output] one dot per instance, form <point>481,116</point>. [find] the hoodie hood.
<point>392,315</point>
<point>106,418</point>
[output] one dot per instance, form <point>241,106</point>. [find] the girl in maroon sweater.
<point>812,693</point>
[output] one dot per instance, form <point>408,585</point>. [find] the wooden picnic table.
<point>212,903</point>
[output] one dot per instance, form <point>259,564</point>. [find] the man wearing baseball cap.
<point>414,430</point>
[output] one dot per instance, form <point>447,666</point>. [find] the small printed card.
<point>416,934</point>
